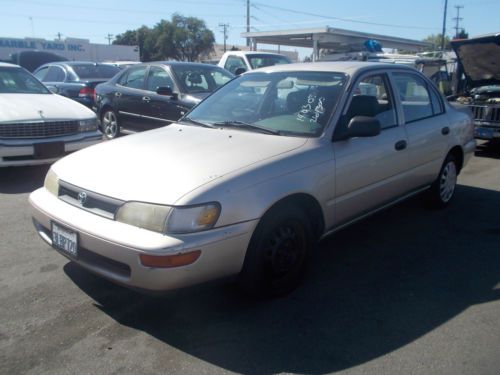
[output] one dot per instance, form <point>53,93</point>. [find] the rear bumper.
<point>111,249</point>
<point>19,152</point>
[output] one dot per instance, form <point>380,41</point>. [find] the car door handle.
<point>146,99</point>
<point>445,130</point>
<point>400,145</point>
<point>118,94</point>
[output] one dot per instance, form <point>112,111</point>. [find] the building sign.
<point>26,44</point>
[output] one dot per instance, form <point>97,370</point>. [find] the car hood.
<point>163,165</point>
<point>479,58</point>
<point>37,107</point>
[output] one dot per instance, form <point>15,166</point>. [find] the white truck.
<point>238,62</point>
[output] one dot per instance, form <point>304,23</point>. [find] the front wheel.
<point>278,253</point>
<point>443,189</point>
<point>109,124</point>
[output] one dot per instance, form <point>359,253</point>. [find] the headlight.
<point>88,124</point>
<point>52,182</point>
<point>169,219</point>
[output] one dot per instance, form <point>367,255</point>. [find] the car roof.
<point>349,67</point>
<point>8,65</point>
<point>180,63</point>
<point>242,53</point>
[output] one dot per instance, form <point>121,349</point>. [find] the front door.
<point>373,170</point>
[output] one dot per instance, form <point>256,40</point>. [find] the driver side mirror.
<point>363,126</point>
<point>239,71</point>
<point>167,91</point>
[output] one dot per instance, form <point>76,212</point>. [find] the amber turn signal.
<point>169,261</point>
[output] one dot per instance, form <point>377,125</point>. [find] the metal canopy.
<point>330,38</point>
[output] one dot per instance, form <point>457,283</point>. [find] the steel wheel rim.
<point>283,252</point>
<point>448,181</point>
<point>110,124</point>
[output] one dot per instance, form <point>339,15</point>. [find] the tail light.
<point>86,92</point>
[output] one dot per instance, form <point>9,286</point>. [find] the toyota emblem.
<point>82,197</point>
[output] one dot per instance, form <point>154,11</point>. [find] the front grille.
<point>488,113</point>
<point>41,129</point>
<point>89,201</point>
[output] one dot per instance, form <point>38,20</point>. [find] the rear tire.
<point>278,253</point>
<point>109,124</point>
<point>443,189</point>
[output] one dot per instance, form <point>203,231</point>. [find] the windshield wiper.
<point>194,122</point>
<point>246,125</point>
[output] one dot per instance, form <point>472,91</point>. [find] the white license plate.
<point>65,240</point>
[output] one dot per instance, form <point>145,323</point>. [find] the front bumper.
<point>486,131</point>
<point>111,249</point>
<point>19,152</point>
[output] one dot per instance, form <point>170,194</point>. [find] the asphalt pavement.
<point>407,291</point>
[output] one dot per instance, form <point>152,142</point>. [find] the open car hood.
<point>480,59</point>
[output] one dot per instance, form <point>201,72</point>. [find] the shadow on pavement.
<point>15,180</point>
<point>372,288</point>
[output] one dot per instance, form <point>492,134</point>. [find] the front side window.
<point>286,103</point>
<point>158,77</point>
<point>133,78</point>
<point>200,78</point>
<point>18,81</point>
<point>262,60</point>
<point>414,96</point>
<point>233,63</point>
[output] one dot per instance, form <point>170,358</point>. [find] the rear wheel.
<point>109,124</point>
<point>443,189</point>
<point>278,253</point>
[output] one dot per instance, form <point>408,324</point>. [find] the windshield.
<point>85,71</point>
<point>285,103</point>
<point>262,60</point>
<point>200,78</point>
<point>19,81</point>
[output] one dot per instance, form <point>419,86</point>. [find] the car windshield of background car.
<point>289,103</point>
<point>85,71</point>
<point>260,61</point>
<point>18,81</point>
<point>198,79</point>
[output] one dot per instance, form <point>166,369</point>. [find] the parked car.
<point>150,95</point>
<point>37,126</point>
<point>238,62</point>
<point>253,176</point>
<point>75,79</point>
<point>478,61</point>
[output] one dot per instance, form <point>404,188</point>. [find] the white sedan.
<point>254,175</point>
<point>37,126</point>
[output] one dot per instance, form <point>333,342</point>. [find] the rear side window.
<point>133,78</point>
<point>41,73</point>
<point>414,95</point>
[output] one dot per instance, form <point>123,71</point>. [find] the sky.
<point>96,19</point>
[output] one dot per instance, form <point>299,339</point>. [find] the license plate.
<point>483,133</point>
<point>48,150</point>
<point>65,240</point>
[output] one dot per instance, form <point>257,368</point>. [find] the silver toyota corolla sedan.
<point>248,181</point>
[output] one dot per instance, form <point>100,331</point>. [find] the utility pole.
<point>224,31</point>
<point>457,19</point>
<point>109,38</point>
<point>248,22</point>
<point>444,25</point>
<point>59,35</point>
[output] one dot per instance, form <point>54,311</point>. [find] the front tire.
<point>443,189</point>
<point>109,124</point>
<point>278,253</point>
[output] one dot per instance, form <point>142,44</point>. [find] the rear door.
<point>370,171</point>
<point>426,125</point>
<point>128,97</point>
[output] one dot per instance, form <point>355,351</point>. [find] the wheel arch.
<point>458,154</point>
<point>309,205</point>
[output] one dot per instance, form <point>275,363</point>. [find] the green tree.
<point>462,34</point>
<point>435,41</point>
<point>182,38</point>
